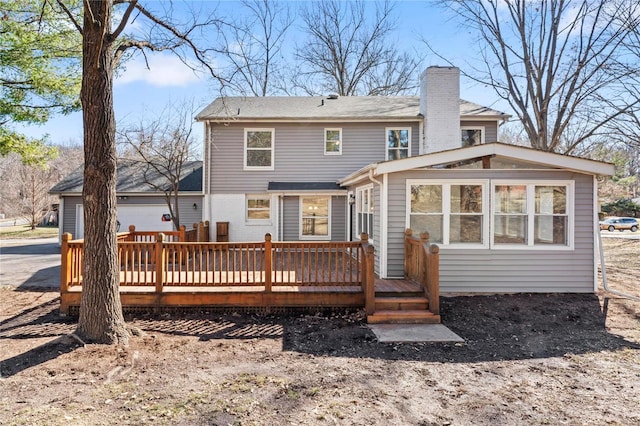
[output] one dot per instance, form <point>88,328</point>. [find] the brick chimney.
<point>440,106</point>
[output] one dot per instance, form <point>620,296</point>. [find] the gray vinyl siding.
<point>291,218</point>
<point>491,270</point>
<point>188,215</point>
<point>69,214</point>
<point>490,129</point>
<point>299,153</point>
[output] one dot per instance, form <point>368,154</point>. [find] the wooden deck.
<point>158,274</point>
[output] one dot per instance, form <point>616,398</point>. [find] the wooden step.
<point>401,303</point>
<point>403,317</point>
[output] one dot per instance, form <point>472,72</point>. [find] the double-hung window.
<point>537,214</point>
<point>364,211</point>
<point>398,143</point>
<point>315,217</point>
<point>258,207</point>
<point>452,212</point>
<point>332,141</point>
<point>258,149</point>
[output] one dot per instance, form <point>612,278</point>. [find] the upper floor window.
<point>315,217</point>
<point>258,149</point>
<point>332,141</point>
<point>472,136</point>
<point>258,207</point>
<point>398,143</point>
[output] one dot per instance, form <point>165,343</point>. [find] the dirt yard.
<point>527,359</point>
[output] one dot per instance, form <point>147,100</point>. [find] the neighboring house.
<point>139,203</point>
<point>507,218</point>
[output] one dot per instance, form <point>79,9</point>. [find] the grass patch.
<point>25,232</point>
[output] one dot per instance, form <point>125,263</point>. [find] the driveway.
<point>30,263</point>
<point>627,235</point>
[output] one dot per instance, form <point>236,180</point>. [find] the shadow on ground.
<point>495,328</point>
<point>42,321</point>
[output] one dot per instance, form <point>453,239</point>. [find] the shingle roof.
<point>130,179</point>
<point>324,108</point>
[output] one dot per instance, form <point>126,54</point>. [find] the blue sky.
<point>141,93</point>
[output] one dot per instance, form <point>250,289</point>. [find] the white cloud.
<point>164,70</point>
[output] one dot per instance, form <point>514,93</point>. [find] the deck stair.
<point>403,306</point>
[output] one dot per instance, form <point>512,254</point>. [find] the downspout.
<point>382,255</point>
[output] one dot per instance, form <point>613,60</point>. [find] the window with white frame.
<point>364,211</point>
<point>453,213</point>
<point>333,141</point>
<point>472,135</point>
<point>398,143</point>
<point>258,207</point>
<point>258,149</point>
<point>315,217</point>
<point>532,214</point>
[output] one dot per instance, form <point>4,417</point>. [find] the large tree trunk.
<point>101,318</point>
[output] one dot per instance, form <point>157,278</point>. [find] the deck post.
<point>408,253</point>
<point>368,275</point>
<point>433,278</point>
<point>65,272</point>
<point>183,235</point>
<point>160,265</point>
<point>268,266</point>
<point>132,233</point>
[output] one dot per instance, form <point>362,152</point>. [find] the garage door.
<point>145,217</point>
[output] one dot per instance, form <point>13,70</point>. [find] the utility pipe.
<point>604,273</point>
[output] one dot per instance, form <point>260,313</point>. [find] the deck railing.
<point>160,262</point>
<point>422,265</point>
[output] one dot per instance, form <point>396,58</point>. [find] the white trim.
<point>339,152</point>
<point>386,140</point>
<point>272,149</point>
<point>530,213</point>
<point>482,132</point>
<point>446,209</point>
<point>412,119</point>
<point>60,219</point>
<point>495,148</point>
<point>384,225</point>
<point>79,212</point>
<point>596,234</point>
<point>329,219</point>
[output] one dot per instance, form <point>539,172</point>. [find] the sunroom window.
<point>533,214</point>
<point>364,211</point>
<point>452,213</point>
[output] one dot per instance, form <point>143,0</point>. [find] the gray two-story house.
<point>507,218</point>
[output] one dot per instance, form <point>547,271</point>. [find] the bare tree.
<point>252,47</point>
<point>560,64</point>
<point>349,53</point>
<point>105,44</point>
<point>161,148</point>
